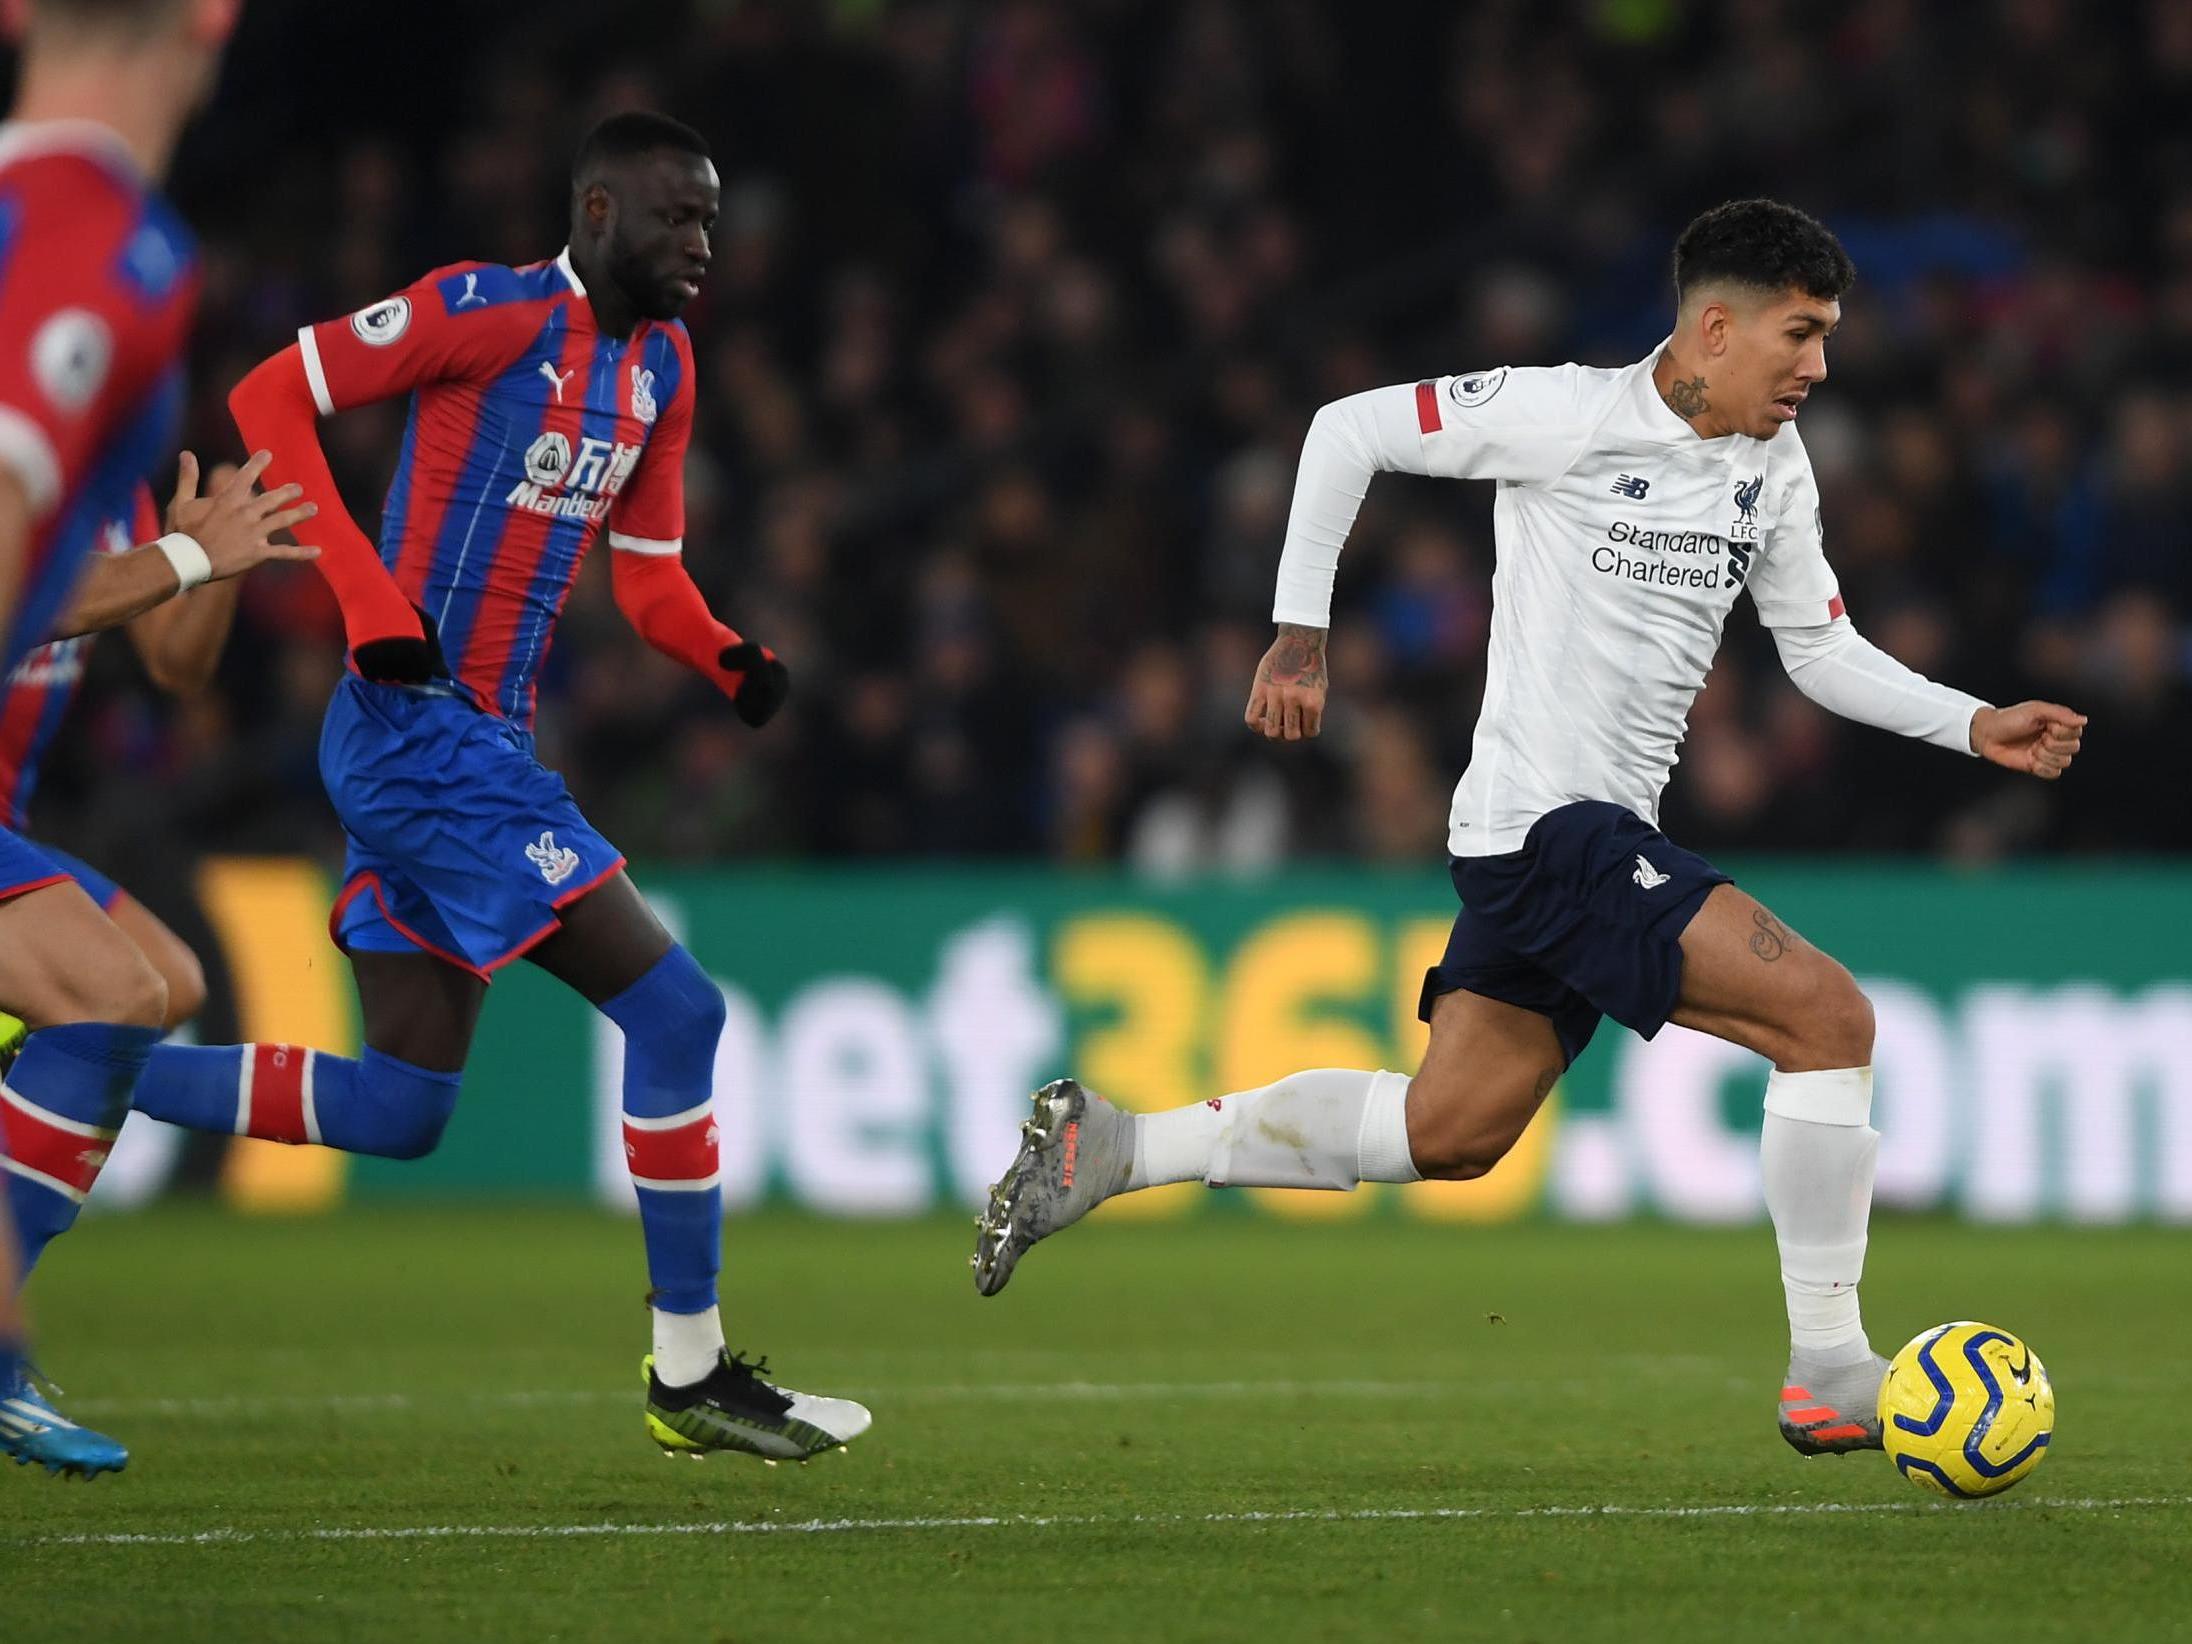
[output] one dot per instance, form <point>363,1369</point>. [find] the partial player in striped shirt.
<point>178,625</point>
<point>549,405</point>
<point>98,283</point>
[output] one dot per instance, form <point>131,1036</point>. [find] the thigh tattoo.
<point>1771,939</point>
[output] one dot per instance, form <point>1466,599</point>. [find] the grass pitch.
<point>424,1425</point>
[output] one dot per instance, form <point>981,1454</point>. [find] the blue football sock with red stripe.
<point>672,1018</point>
<point>61,1107</point>
<point>293,1093</point>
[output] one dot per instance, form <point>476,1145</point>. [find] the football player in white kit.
<point>1633,506</point>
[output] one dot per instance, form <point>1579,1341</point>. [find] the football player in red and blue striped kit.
<point>98,283</point>
<point>130,584</point>
<point>37,694</point>
<point>550,405</point>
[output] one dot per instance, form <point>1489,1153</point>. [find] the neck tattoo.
<point>1686,399</point>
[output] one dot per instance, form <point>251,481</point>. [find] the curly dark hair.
<point>1765,245</point>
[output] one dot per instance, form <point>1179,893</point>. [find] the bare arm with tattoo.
<point>1520,424</point>
<point>1287,700</point>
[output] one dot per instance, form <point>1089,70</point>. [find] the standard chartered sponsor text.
<point>1651,564</point>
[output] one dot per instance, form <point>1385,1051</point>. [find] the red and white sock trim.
<point>64,1155</point>
<point>677,1154</point>
<point>274,1096</point>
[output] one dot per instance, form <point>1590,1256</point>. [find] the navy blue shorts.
<point>1584,921</point>
<point>97,885</point>
<point>462,844</point>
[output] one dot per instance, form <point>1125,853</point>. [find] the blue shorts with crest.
<point>462,844</point>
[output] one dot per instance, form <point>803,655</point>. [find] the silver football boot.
<point>1076,1151</point>
<point>1827,1410</point>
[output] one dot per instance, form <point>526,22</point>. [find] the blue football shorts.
<point>461,843</point>
<point>26,865</point>
<point>97,885</point>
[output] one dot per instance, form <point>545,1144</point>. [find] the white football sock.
<point>1816,1152</point>
<point>1175,1146</point>
<point>1330,1127</point>
<point>687,1345</point>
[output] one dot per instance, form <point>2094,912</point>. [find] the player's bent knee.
<point>1460,1156</point>
<point>130,993</point>
<point>146,1002</point>
<point>672,1020</point>
<point>415,1134</point>
<point>94,973</point>
<point>1846,1018</point>
<point>689,1030</point>
<point>1838,1026</point>
<point>186,987</point>
<point>1462,1164</point>
<point>706,1012</point>
<point>404,1109</point>
<point>1451,1138</point>
<point>1863,1026</point>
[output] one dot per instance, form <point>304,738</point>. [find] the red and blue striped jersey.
<point>529,431</point>
<point>98,282</point>
<point>35,698</point>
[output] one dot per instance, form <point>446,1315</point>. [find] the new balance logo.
<point>1632,486</point>
<point>1647,876</point>
<point>556,862</point>
<point>557,378</point>
<point>471,293</point>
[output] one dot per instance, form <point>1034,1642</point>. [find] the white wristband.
<point>190,562</point>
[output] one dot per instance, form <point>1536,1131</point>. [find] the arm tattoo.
<point>1686,399</point>
<point>1772,938</point>
<point>1297,658</point>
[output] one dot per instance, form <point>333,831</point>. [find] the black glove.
<point>767,683</point>
<point>404,661</point>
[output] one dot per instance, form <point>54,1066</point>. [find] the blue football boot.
<point>36,1434</point>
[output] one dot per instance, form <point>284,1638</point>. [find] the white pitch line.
<point>1009,1521</point>
<point>1013,1392</point>
<point>1008,1392</point>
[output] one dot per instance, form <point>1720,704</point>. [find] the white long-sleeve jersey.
<point>1622,538</point>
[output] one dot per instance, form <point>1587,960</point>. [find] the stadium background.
<point>1017,316</point>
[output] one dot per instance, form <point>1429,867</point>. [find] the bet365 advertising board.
<point>885,1026</point>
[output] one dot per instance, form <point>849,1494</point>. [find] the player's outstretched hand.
<point>763,681</point>
<point>402,659</point>
<point>234,523</point>
<point>2038,738</point>
<point>1287,701</point>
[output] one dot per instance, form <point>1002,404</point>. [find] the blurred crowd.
<point>1019,312</point>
